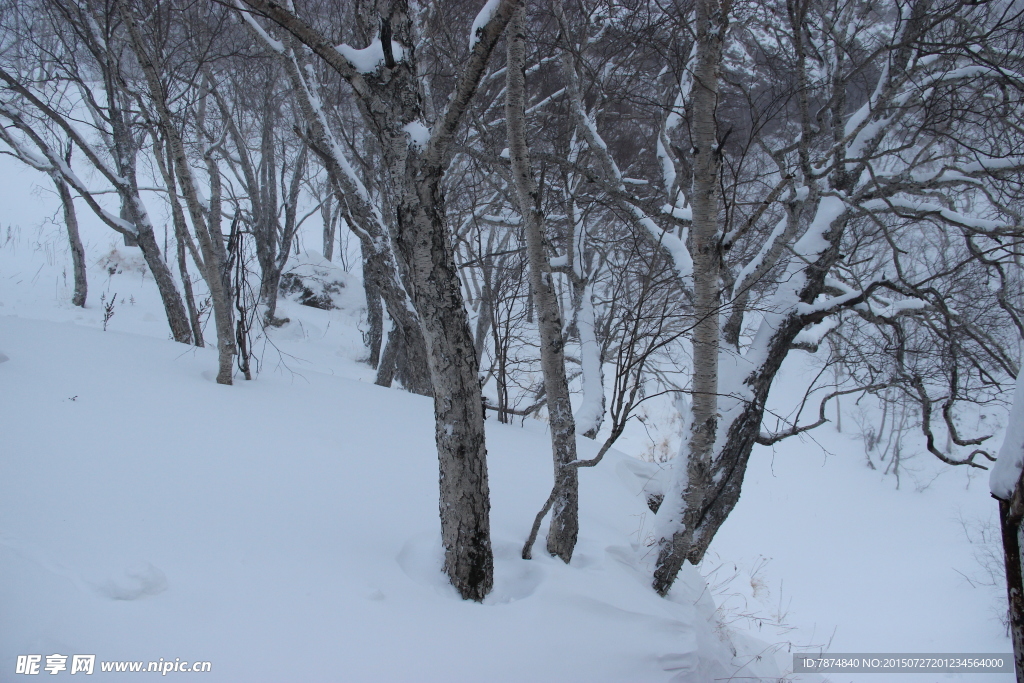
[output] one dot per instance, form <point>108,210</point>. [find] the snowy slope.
<point>286,529</point>
<point>834,556</point>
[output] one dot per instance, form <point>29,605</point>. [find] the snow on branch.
<point>928,209</point>
<point>370,58</point>
<point>54,164</point>
<point>1007,470</point>
<point>275,45</point>
<point>483,17</point>
<point>591,411</point>
<point>674,245</point>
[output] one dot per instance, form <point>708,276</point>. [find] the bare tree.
<point>565,508</point>
<point>385,79</point>
<point>85,39</point>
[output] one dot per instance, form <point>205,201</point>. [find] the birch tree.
<point>564,529</point>
<point>800,178</point>
<point>385,80</point>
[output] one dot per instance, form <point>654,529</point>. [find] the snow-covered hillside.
<point>287,529</point>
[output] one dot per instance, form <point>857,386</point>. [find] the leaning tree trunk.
<point>699,451</point>
<point>174,307</point>
<point>75,241</point>
<point>1009,524</point>
<point>565,507</point>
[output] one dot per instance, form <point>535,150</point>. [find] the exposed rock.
<point>315,283</point>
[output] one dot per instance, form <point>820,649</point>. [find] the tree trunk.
<point>391,100</point>
<point>374,310</point>
<point>330,220</point>
<point>698,453</point>
<point>1009,524</point>
<point>174,308</point>
<point>458,403</point>
<point>565,508</point>
<point>129,240</point>
<point>75,241</point>
<point>186,282</point>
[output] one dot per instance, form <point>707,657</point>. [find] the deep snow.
<point>286,528</point>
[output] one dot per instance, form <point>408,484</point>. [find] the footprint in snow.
<point>136,582</point>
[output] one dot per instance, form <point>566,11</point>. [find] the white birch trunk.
<point>565,508</point>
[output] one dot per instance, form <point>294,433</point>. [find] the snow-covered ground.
<point>286,529</point>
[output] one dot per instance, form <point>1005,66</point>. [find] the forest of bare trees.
<point>565,209</point>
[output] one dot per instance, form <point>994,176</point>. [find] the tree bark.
<point>1009,524</point>
<point>712,20</point>
<point>330,219</point>
<point>458,404</point>
<point>174,307</point>
<point>75,241</point>
<point>564,528</point>
<point>374,311</point>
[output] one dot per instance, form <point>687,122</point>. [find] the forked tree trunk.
<point>712,20</point>
<point>404,356</point>
<point>565,508</point>
<point>390,100</point>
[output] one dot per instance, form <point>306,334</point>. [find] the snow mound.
<point>123,260</point>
